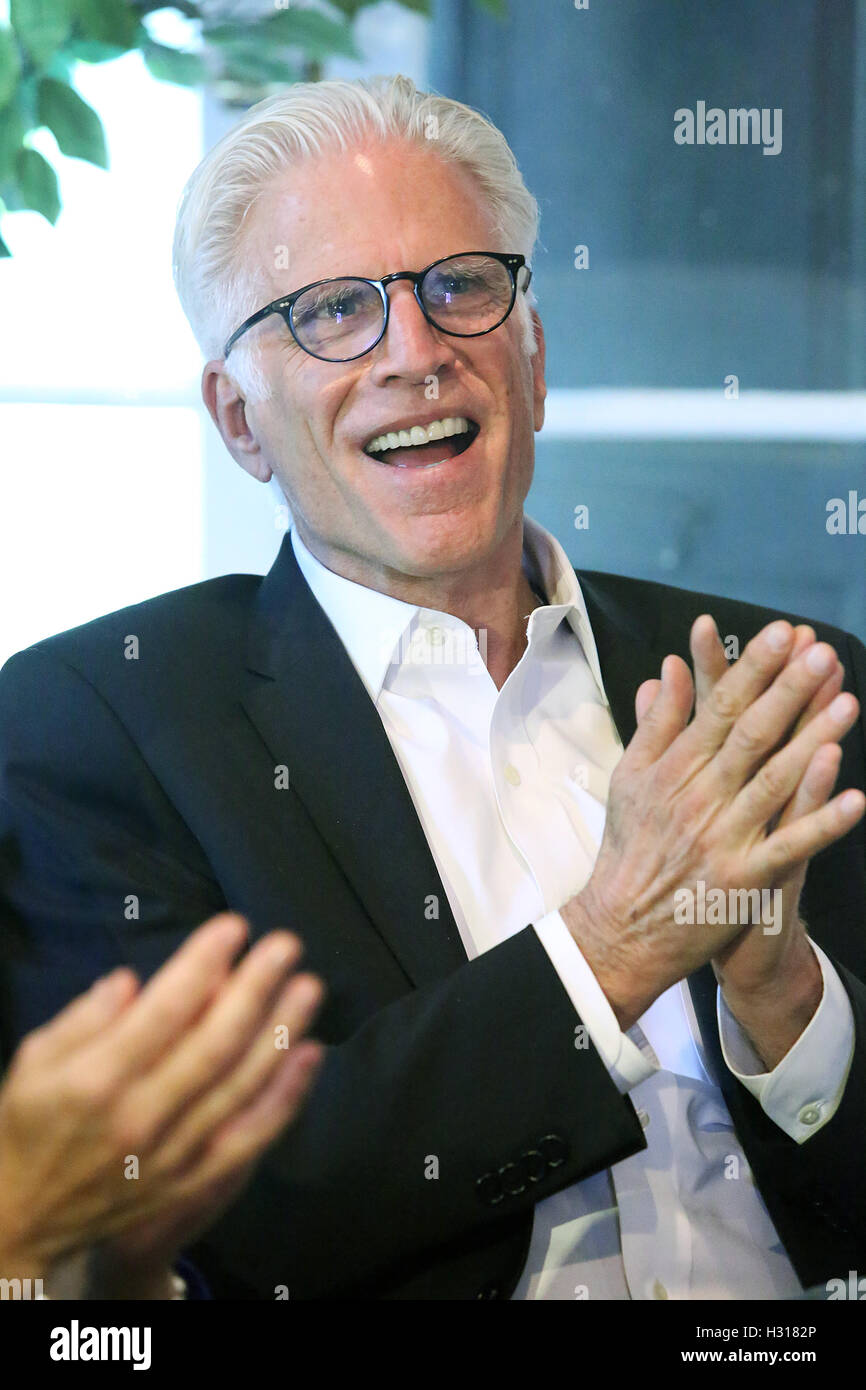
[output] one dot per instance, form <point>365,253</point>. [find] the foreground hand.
<point>127,1119</point>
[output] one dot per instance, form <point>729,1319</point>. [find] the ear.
<point>228,410</point>
<point>539,386</point>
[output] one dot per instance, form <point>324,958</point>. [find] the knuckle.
<point>134,1122</point>
<point>772,780</point>
<point>29,1051</point>
<point>129,1133</point>
<point>168,1016</point>
<point>89,1090</point>
<point>722,702</point>
<point>748,738</point>
<point>213,1055</point>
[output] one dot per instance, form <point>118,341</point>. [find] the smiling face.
<point>447,508</point>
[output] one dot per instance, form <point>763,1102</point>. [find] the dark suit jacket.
<point>154,779</point>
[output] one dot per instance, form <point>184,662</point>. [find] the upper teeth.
<point>418,434</point>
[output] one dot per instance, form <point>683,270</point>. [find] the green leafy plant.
<point>239,58</point>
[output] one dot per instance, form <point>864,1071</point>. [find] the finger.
<point>664,719</point>
<point>816,784</point>
<point>708,655</point>
<point>804,636</point>
<point>280,1101</point>
<point>293,1013</point>
<point>758,667</point>
<point>219,1039</point>
<point>175,995</point>
<point>771,717</point>
<point>798,841</point>
<point>776,781</point>
<point>85,1018</point>
<point>246,1136</point>
<point>644,697</point>
<point>823,696</point>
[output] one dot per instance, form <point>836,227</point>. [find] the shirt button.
<point>644,1118</point>
<point>810,1114</point>
<point>512,775</point>
<point>437,636</point>
<point>659,1290</point>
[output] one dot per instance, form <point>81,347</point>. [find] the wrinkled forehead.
<point>379,207</point>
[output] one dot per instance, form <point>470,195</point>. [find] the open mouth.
<point>422,446</point>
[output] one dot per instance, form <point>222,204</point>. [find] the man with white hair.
<point>592,1028</point>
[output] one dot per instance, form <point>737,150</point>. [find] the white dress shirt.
<point>511,788</point>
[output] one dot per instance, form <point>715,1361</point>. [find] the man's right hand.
<point>124,1115</point>
<point>692,802</point>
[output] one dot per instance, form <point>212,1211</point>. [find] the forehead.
<point>379,207</point>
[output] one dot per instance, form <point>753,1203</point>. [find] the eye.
<point>331,307</point>
<point>451,283</point>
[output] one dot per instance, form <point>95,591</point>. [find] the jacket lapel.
<point>316,718</point>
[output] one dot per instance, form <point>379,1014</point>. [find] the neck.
<point>494,597</point>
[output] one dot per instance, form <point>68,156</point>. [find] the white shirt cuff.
<point>803,1091</point>
<point>626,1062</point>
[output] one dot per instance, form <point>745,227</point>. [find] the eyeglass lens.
<point>342,318</point>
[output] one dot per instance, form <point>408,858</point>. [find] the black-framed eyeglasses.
<point>337,320</point>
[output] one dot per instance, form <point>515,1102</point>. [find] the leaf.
<point>12,132</point>
<point>60,65</point>
<point>499,8</point>
<point>317,35</point>
<point>92,51</point>
<point>41,26</point>
<point>25,100</point>
<point>4,249</point>
<point>10,196</point>
<point>247,63</point>
<point>74,125</point>
<point>352,7</point>
<point>10,65</point>
<point>173,65</point>
<point>37,184</point>
<point>111,22</point>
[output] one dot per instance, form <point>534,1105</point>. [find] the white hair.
<point>218,291</point>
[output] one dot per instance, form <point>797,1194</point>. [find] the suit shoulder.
<point>666,606</point>
<point>206,609</point>
<point>213,612</point>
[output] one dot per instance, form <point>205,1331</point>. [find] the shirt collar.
<point>370,624</point>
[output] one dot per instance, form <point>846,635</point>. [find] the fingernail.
<point>840,709</point>
<point>279,952</point>
<point>820,660</point>
<point>235,929</point>
<point>109,985</point>
<point>778,636</point>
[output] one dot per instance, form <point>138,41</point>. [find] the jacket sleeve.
<point>437,1125</point>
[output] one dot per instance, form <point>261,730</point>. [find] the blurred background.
<point>704,304</point>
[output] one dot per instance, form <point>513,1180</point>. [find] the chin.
<point>443,546</point>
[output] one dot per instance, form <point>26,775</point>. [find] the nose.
<point>412,349</point>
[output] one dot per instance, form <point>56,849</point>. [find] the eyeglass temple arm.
<point>248,323</point>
